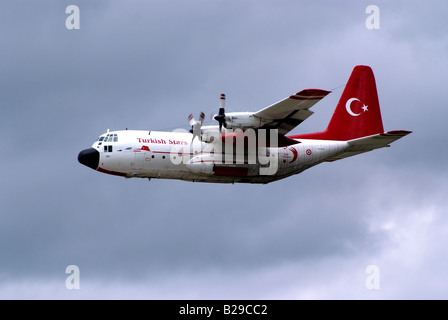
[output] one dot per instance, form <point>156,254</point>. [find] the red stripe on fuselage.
<point>115,173</point>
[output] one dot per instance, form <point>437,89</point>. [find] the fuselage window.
<point>109,149</point>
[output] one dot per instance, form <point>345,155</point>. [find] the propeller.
<point>196,125</point>
<point>221,117</point>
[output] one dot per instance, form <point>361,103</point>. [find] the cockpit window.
<point>112,137</point>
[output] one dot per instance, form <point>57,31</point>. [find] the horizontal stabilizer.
<point>369,143</point>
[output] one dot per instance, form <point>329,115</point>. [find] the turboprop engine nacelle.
<point>243,120</point>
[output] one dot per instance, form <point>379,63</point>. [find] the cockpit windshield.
<point>111,137</point>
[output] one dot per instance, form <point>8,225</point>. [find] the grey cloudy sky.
<point>148,65</point>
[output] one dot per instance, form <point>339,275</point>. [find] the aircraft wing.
<point>290,112</point>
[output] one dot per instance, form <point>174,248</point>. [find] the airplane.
<point>250,147</point>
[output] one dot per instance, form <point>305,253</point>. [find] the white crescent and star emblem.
<point>349,110</point>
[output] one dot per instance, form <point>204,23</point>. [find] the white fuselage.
<point>176,155</point>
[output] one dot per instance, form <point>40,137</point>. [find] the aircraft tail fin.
<point>357,113</point>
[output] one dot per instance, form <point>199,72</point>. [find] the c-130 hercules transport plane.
<point>250,147</point>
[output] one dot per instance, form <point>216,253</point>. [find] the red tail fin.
<point>358,111</point>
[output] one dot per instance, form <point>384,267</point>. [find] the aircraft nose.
<point>90,158</point>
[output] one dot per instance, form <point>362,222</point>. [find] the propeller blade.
<point>222,102</point>
<point>221,117</point>
<point>191,120</point>
<point>196,125</point>
<point>201,117</point>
